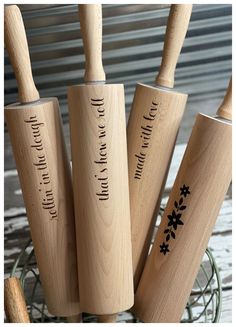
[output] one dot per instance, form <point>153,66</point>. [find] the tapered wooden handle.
<point>18,51</point>
<point>107,318</point>
<point>225,110</point>
<point>75,319</point>
<point>91,28</point>
<point>14,301</point>
<point>177,27</point>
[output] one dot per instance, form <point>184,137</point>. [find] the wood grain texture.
<point>43,167</point>
<point>202,182</point>
<point>176,30</point>
<point>101,197</point>
<point>17,234</point>
<point>75,319</point>
<point>107,319</point>
<point>152,131</point>
<point>17,48</point>
<point>14,301</point>
<point>151,134</point>
<point>90,16</point>
<point>225,110</point>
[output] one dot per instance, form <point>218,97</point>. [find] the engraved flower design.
<point>174,219</point>
<point>184,190</point>
<point>164,248</point>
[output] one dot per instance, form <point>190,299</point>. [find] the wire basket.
<point>204,304</point>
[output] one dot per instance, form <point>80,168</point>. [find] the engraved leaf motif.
<point>180,201</point>
<point>173,234</point>
<point>176,204</point>
<point>166,231</point>
<point>167,237</point>
<point>182,207</point>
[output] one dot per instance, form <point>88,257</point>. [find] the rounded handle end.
<point>107,318</point>
<point>14,301</point>
<point>18,51</point>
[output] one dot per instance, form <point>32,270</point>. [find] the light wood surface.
<point>152,129</point>
<point>177,27</point>
<point>150,147</point>
<point>43,167</point>
<point>225,110</point>
<point>45,177</point>
<point>17,48</point>
<point>220,243</point>
<point>90,16</point>
<point>107,319</point>
<point>75,319</point>
<point>101,197</point>
<point>151,134</point>
<point>100,181</point>
<point>194,203</point>
<point>14,301</point>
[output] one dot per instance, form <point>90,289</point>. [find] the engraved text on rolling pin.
<point>145,135</point>
<point>101,161</point>
<point>45,187</point>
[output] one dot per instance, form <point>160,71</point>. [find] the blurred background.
<point>133,36</point>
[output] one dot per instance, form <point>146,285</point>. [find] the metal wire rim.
<point>209,295</point>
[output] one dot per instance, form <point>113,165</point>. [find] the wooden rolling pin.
<point>100,181</point>
<point>36,135</point>
<point>14,301</point>
<point>192,209</point>
<point>152,130</point>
